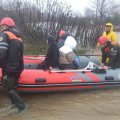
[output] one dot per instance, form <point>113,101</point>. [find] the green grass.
<point>40,48</point>
<point>35,49</point>
<point>81,51</point>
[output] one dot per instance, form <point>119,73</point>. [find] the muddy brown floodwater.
<point>77,105</point>
<point>89,105</point>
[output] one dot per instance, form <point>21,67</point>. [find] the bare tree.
<point>101,9</point>
<point>38,18</point>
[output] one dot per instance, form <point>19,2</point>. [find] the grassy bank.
<point>41,48</point>
<point>35,49</point>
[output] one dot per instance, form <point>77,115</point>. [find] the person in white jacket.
<point>68,59</point>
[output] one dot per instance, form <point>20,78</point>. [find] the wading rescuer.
<point>11,61</point>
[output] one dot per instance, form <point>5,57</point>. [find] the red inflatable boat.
<point>33,79</point>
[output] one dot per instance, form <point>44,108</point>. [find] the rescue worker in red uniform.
<point>11,61</point>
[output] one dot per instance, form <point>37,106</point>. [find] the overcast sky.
<point>80,5</point>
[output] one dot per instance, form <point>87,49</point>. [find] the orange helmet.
<point>7,21</point>
<point>102,40</point>
<point>62,32</point>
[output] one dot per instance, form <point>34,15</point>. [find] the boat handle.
<point>109,78</point>
<point>39,80</point>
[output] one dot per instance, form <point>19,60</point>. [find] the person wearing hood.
<point>11,61</point>
<point>110,34</point>
<point>68,59</point>
<point>52,57</point>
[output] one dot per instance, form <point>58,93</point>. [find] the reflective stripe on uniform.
<point>2,47</point>
<point>2,43</point>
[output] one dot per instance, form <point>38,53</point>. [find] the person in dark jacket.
<point>62,36</point>
<point>59,35</point>
<point>11,61</point>
<point>52,56</point>
<point>109,51</point>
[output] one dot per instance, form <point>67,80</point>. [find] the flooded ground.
<point>90,105</point>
